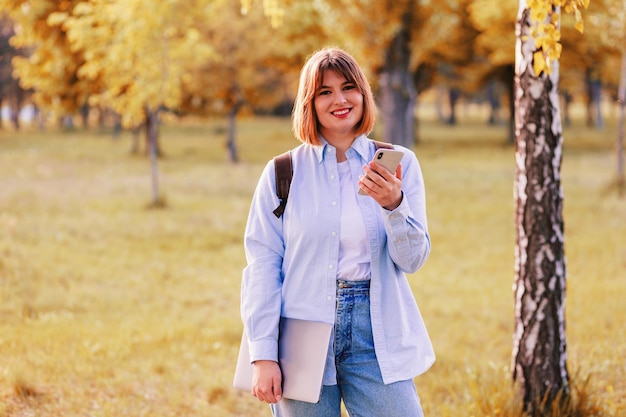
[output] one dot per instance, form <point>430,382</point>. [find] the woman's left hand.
<point>382,185</point>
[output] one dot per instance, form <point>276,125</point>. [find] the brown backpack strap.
<point>383,145</point>
<point>284,172</point>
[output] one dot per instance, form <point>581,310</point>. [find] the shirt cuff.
<point>264,349</point>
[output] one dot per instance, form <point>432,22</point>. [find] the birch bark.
<point>539,345</point>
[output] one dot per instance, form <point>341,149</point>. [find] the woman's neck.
<point>342,143</point>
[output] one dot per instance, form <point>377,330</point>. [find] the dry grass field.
<point>108,308</point>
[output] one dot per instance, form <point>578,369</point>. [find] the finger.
<point>270,398</point>
<point>278,390</point>
<point>258,394</point>
<point>399,172</point>
<point>369,184</point>
<point>380,170</point>
<point>365,180</point>
<point>272,394</point>
<point>264,397</point>
<point>378,174</point>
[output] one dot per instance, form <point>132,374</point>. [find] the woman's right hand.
<point>267,381</point>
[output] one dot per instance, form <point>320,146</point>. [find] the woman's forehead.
<point>333,75</point>
<point>328,74</point>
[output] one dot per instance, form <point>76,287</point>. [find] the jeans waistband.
<point>342,283</point>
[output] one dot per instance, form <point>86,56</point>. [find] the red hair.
<point>305,125</point>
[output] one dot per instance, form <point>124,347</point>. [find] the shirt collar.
<point>361,145</point>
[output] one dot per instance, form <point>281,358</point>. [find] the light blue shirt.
<point>292,261</point>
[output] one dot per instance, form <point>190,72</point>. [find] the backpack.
<point>284,173</point>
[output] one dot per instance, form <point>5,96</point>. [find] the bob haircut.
<point>305,124</point>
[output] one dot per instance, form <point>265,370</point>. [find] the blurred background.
<point>121,63</point>
<point>133,133</point>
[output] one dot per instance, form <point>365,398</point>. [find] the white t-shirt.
<point>354,259</point>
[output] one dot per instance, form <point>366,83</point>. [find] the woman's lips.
<point>341,112</point>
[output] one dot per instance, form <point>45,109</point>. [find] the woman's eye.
<point>324,92</point>
<point>349,87</point>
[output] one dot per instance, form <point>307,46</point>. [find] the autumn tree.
<point>10,91</point>
<point>141,58</point>
<point>459,68</point>
<point>260,60</point>
<point>495,21</point>
<point>608,22</point>
<point>539,360</point>
<point>139,54</point>
<point>50,68</point>
<point>581,55</point>
<point>391,40</point>
<point>590,58</point>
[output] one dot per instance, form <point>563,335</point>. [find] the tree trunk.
<point>539,347</point>
<point>39,117</point>
<point>117,125</point>
<point>594,93</point>
<point>136,131</point>
<point>152,136</point>
<point>84,115</point>
<point>152,126</point>
<point>510,83</point>
<point>620,127</point>
<point>493,99</point>
<point>232,134</point>
<point>439,104</point>
<point>18,100</point>
<point>453,98</point>
<point>398,93</point>
<point>567,101</point>
<point>422,80</point>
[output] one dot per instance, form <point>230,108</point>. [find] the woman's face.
<point>338,105</point>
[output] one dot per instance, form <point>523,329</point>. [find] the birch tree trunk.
<point>539,347</point>
<point>398,96</point>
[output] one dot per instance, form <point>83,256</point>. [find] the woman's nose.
<point>340,98</point>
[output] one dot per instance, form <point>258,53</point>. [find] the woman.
<point>338,257</point>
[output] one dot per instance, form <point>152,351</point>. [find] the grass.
<point>108,308</point>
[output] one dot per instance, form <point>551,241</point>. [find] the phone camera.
<point>380,155</point>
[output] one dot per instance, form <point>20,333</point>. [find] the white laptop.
<point>302,351</point>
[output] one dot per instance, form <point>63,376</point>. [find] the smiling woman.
<point>343,263</point>
<point>313,84</point>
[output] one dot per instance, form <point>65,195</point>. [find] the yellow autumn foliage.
<point>545,16</point>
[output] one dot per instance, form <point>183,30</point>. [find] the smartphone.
<point>388,158</point>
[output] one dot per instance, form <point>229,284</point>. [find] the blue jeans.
<point>359,382</point>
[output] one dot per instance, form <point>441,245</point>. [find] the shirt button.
<point>334,203</point>
<point>332,177</point>
<point>329,298</point>
<point>333,234</point>
<point>330,267</point>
